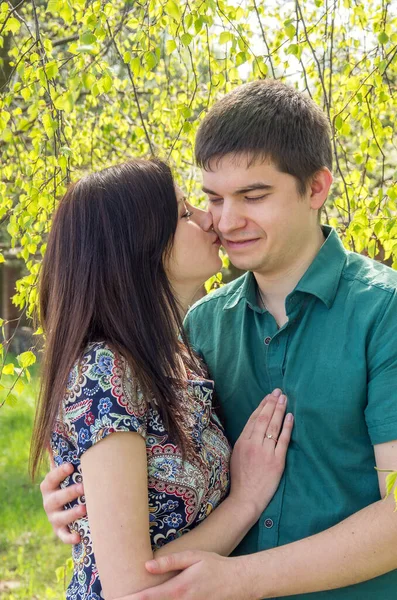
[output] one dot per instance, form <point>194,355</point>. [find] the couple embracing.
<point>293,365</point>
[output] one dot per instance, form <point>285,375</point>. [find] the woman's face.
<point>194,255</point>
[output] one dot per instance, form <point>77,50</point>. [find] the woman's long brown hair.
<point>103,279</point>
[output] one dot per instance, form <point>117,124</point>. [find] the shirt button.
<point>267,340</point>
<point>269,523</point>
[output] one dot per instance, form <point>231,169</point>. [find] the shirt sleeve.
<point>102,398</point>
<point>381,411</point>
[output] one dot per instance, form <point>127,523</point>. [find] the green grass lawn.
<point>29,551</point>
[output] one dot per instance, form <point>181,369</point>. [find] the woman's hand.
<point>55,498</point>
<point>258,458</point>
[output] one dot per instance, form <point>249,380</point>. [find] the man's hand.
<point>203,575</point>
<point>55,498</point>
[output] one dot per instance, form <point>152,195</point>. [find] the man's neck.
<point>275,287</point>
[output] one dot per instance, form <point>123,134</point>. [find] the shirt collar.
<point>247,292</point>
<point>321,278</point>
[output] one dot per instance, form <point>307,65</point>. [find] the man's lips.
<point>238,244</point>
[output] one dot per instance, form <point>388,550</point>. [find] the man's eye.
<point>214,200</point>
<point>256,197</point>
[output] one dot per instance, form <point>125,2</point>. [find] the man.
<point>316,321</point>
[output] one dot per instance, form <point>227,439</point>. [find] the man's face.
<point>257,212</point>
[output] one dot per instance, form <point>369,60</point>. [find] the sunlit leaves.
<point>107,77</point>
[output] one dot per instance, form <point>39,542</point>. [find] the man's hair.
<point>266,119</point>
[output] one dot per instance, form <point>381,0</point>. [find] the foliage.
<point>29,552</point>
<point>391,484</point>
<point>85,84</point>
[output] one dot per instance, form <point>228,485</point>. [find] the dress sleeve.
<point>381,411</point>
<point>102,398</point>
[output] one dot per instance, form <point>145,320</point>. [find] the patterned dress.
<point>102,397</point>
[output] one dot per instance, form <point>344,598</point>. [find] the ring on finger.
<point>271,437</point>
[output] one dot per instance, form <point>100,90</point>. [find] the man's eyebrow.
<point>249,188</point>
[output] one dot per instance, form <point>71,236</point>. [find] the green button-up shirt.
<point>336,360</point>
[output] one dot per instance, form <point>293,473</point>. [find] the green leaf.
<point>88,38</point>
<point>241,58</point>
<point>172,9</point>
<point>11,400</point>
<point>60,573</point>
<point>88,80</point>
<point>136,66</point>
<point>186,38</point>
<point>19,386</point>
<point>8,369</point>
<point>390,482</point>
<point>26,359</point>
<point>290,31</point>
<point>338,122</point>
<point>150,60</point>
<point>198,24</point>
<point>54,6</point>
<point>383,38</point>
<point>225,37</point>
<point>12,25</point>
<point>170,46</point>
<point>293,49</point>
<point>96,90</point>
<point>66,13</point>
<point>107,83</point>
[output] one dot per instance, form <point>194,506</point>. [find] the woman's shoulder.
<point>99,360</point>
<point>102,373</point>
<point>99,351</point>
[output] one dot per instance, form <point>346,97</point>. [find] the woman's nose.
<point>204,219</point>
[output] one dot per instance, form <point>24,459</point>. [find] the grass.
<point>29,551</point>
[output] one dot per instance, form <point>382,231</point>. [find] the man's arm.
<point>359,548</point>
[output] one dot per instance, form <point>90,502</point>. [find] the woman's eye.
<point>187,214</point>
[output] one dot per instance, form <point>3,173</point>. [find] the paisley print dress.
<point>102,397</point>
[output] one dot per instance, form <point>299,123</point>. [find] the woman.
<point>124,399</point>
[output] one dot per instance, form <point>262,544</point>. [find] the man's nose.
<point>229,219</point>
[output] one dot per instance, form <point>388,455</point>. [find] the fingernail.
<point>289,417</point>
<point>151,564</point>
<point>282,399</point>
<point>276,392</point>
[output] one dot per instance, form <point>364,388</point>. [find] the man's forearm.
<point>357,549</point>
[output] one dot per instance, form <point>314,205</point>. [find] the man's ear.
<point>319,188</point>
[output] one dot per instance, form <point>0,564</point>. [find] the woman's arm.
<point>256,468</point>
<point>116,490</point>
